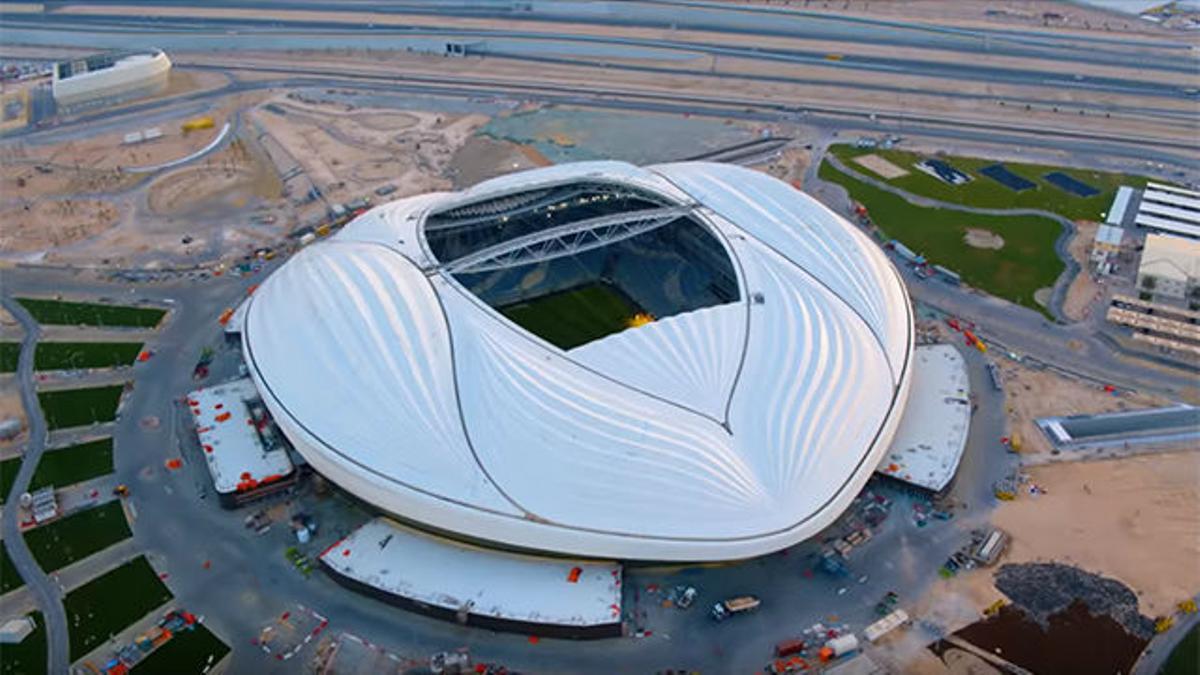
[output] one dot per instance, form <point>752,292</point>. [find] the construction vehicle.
<point>1187,607</point>
<point>794,664</point>
<point>739,605</point>
<point>994,608</point>
<point>1163,624</point>
<point>121,490</point>
<point>1005,489</point>
<point>789,647</point>
<point>197,124</point>
<point>450,663</point>
<point>842,645</point>
<point>885,625</point>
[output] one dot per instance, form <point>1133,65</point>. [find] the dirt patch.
<point>1031,393</point>
<point>979,238</point>
<point>1083,290</point>
<point>386,121</point>
<point>1133,519</point>
<point>229,181</point>
<point>1075,642</point>
<point>44,224</point>
<point>10,407</point>
<point>483,157</point>
<point>880,166</point>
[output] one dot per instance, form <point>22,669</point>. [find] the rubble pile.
<point>1045,589</point>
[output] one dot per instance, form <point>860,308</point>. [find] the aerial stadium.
<point>681,362</point>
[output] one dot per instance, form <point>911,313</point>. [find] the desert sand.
<point>51,223</point>
<point>1083,289</point>
<point>979,238</point>
<point>1030,394</point>
<point>1134,519</point>
<point>880,166</point>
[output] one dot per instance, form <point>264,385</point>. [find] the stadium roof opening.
<point>581,260</point>
<point>419,359</point>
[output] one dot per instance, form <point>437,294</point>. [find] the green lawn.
<point>109,603</point>
<point>987,193</point>
<point>77,407</point>
<point>8,474</point>
<point>575,316</point>
<point>9,579</point>
<point>29,656</point>
<point>184,654</point>
<point>74,464</point>
<point>57,312</point>
<point>73,355</point>
<point>1026,263</point>
<point>1185,659</point>
<point>77,536</point>
<point>9,353</point>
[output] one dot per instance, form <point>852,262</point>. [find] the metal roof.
<point>233,450</point>
<point>720,433</point>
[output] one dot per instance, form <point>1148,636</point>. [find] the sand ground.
<point>52,223</point>
<point>1030,394</point>
<point>1083,290</point>
<point>880,166</point>
<point>980,238</point>
<point>1134,519</point>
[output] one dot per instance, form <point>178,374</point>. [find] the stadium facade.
<point>110,77</point>
<point>681,362</point>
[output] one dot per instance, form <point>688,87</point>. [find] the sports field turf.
<point>72,355</point>
<point>9,353</point>
<point>9,579</point>
<point>76,407</point>
<point>187,653</point>
<point>8,474</point>
<point>1026,263</point>
<point>109,603</point>
<point>77,536</point>
<point>29,656</point>
<point>1185,658</point>
<point>73,464</point>
<point>987,193</point>
<point>56,312</point>
<point>575,316</point>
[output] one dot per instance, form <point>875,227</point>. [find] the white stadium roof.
<point>720,432</point>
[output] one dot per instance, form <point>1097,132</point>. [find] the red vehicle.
<point>789,647</point>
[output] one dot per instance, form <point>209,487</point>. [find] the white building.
<point>1166,208</point>
<point>110,77</point>
<point>453,359</point>
<point>1170,266</point>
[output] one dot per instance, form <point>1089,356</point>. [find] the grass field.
<point>9,353</point>
<point>1185,659</point>
<point>185,654</point>
<point>1026,263</point>
<point>9,579</point>
<point>8,474</point>
<point>987,193</point>
<point>74,464</point>
<point>77,536</point>
<point>573,317</point>
<point>109,603</point>
<point>28,657</point>
<point>56,312</point>
<point>72,355</point>
<point>76,407</point>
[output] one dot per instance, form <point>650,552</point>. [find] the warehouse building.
<point>1170,266</point>
<point>1166,208</point>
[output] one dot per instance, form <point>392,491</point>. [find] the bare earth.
<point>45,224</point>
<point>978,238</point>
<point>10,407</point>
<point>1084,289</point>
<point>1030,394</point>
<point>880,166</point>
<point>1134,519</point>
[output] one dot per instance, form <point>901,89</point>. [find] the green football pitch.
<point>575,316</point>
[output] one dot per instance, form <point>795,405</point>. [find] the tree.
<point>1149,282</point>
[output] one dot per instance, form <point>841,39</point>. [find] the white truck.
<point>739,605</point>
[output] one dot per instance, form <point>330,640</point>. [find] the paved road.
<point>43,589</point>
<point>1159,650</point>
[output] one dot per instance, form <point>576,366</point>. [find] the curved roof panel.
<point>720,432</point>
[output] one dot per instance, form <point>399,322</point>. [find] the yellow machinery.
<point>1163,624</point>
<point>198,123</point>
<point>1187,607</point>
<point>639,319</point>
<point>994,608</point>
